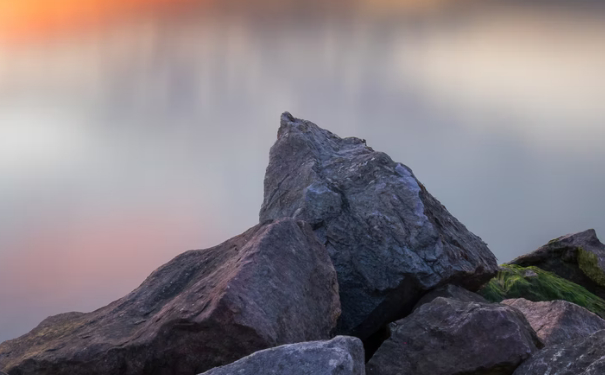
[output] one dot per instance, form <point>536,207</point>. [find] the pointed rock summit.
<point>389,239</point>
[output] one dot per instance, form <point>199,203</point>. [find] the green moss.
<point>553,240</point>
<point>589,264</point>
<point>513,282</point>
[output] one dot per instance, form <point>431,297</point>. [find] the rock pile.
<point>354,268</point>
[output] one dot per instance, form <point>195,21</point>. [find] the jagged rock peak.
<point>389,239</point>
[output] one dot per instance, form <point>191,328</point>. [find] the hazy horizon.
<point>140,135</point>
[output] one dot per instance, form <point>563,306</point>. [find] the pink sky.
<point>59,267</point>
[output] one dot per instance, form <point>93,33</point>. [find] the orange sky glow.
<point>27,20</point>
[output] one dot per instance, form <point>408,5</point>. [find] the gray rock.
<point>579,258</point>
<point>389,239</point>
<point>558,322</point>
<point>339,356</point>
<point>270,286</point>
<point>450,337</point>
<point>577,357</point>
<point>450,291</point>
<point>529,274</point>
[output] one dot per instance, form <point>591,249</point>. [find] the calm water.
<point>123,146</point>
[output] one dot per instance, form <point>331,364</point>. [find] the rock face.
<point>339,356</point>
<point>580,357</point>
<point>558,322</point>
<point>579,258</point>
<point>452,292</point>
<point>272,285</point>
<point>449,337</point>
<point>537,285</point>
<point>389,239</point>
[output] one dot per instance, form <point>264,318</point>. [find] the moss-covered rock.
<point>535,284</point>
<point>589,264</point>
<point>579,258</point>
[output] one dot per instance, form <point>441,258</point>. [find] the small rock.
<point>529,273</point>
<point>389,239</point>
<point>339,356</point>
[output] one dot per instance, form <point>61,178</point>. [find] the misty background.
<point>123,145</point>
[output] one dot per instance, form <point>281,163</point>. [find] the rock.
<point>578,357</point>
<point>339,356</point>
<point>579,258</point>
<point>558,322</point>
<point>529,274</point>
<point>450,291</point>
<point>389,239</point>
<point>272,285</point>
<point>450,337</point>
<point>537,285</point>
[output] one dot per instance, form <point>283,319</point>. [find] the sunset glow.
<point>27,20</point>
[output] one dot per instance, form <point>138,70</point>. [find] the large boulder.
<point>558,322</point>
<point>577,357</point>
<point>535,284</point>
<point>579,258</point>
<point>450,337</point>
<point>450,291</point>
<point>270,286</point>
<point>390,240</point>
<point>340,356</point>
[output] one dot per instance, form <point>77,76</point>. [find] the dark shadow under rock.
<point>375,341</point>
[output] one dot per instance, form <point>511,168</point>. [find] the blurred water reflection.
<point>126,144</point>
